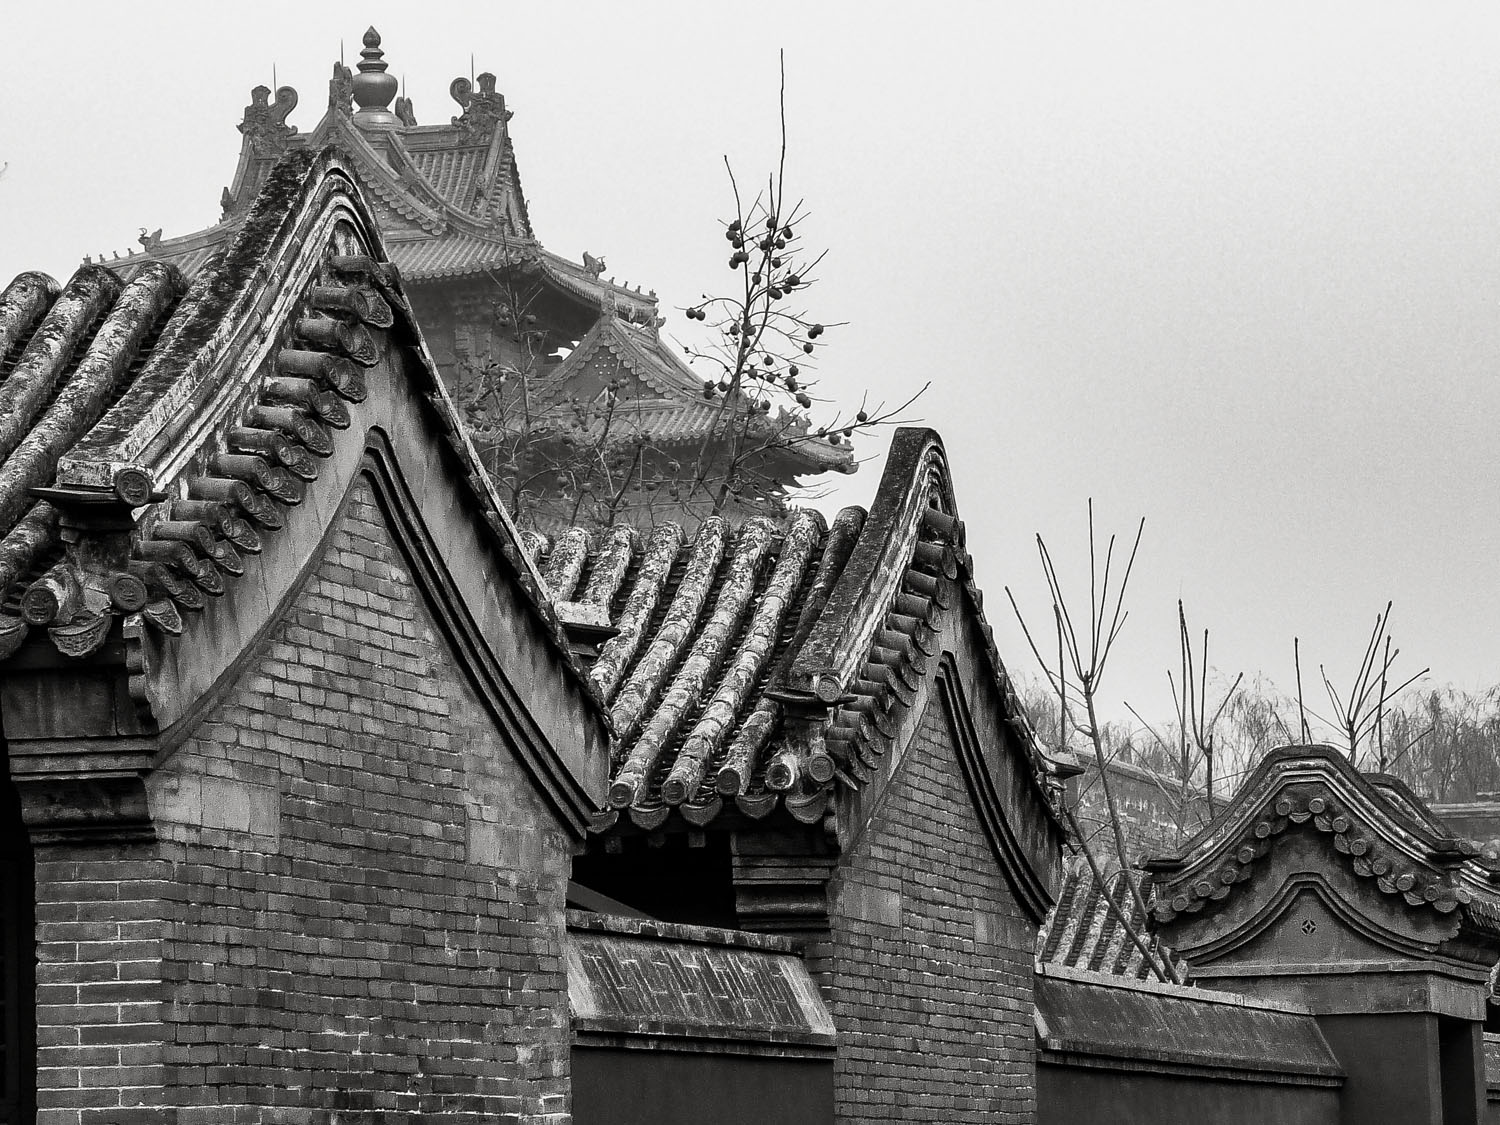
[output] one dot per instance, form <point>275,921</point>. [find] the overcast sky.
<point>1233,268</point>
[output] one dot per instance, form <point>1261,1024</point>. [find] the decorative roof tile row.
<point>1376,836</point>
<point>712,673</point>
<point>128,411</point>
<point>1384,831</point>
<point>1085,929</point>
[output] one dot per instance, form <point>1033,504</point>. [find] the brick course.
<point>931,978</point>
<point>353,910</point>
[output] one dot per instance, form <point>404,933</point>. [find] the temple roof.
<point>156,435</point>
<point>764,666</point>
<point>448,196</point>
<point>69,353</point>
<point>662,396</point>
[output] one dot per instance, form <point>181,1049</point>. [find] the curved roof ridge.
<point>592,287</point>
<point>1279,768</point>
<point>915,480</point>
<point>1382,835</point>
<point>380,179</point>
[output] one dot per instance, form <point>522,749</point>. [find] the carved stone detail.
<point>265,124</point>
<point>341,91</point>
<point>482,109</point>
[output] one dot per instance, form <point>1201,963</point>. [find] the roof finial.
<point>373,87</point>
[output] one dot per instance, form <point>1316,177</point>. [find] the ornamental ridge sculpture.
<point>265,124</point>
<point>482,110</point>
<point>341,90</point>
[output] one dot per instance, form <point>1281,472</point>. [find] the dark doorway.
<point>1461,1070</point>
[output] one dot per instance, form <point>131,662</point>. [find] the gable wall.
<point>355,899</point>
<point>931,984</point>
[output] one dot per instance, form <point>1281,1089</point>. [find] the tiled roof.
<point>69,354</point>
<point>451,254</point>
<point>726,642</point>
<point>637,979</point>
<point>1307,819</point>
<point>1085,932</point>
<point>629,303</point>
<point>187,254</point>
<point>678,412</point>
<point>457,185</point>
<point>1374,823</point>
<point>454,173</point>
<point>103,380</point>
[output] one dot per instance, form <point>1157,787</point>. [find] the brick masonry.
<point>931,981</point>
<point>353,910</point>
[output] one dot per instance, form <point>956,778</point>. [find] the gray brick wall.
<point>354,909</point>
<point>932,966</point>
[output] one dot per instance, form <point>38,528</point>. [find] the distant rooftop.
<point>447,196</point>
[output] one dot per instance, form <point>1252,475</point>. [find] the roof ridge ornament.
<point>482,110</point>
<point>340,90</point>
<point>264,125</point>
<point>372,87</point>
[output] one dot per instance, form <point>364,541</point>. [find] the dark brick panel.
<point>932,978</point>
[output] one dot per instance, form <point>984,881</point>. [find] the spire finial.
<point>373,87</point>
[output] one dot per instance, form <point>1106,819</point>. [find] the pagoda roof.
<point>667,399</point>
<point>448,197</point>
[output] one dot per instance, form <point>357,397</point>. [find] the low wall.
<point>686,1024</point>
<point>1158,1054</point>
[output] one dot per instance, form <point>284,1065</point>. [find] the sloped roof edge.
<point>146,435</point>
<point>1380,827</point>
<point>915,482</point>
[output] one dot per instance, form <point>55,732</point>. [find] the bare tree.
<point>1358,715</point>
<point>1445,743</point>
<point>1081,660</point>
<point>577,460</point>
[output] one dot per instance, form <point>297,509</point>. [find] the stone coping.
<point>650,928</point>
<point>1091,1021</point>
<point>1162,988</point>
